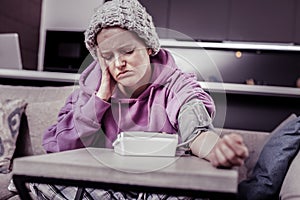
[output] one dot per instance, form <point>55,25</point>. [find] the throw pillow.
<point>273,162</point>
<point>10,115</point>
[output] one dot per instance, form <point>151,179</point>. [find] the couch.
<point>43,104</point>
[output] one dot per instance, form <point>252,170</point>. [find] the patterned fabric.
<point>10,118</point>
<point>56,192</point>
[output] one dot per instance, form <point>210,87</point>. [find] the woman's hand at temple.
<point>107,82</point>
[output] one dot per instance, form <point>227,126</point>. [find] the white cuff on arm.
<point>193,120</point>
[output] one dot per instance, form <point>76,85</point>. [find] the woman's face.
<point>126,57</point>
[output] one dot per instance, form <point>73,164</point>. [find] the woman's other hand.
<point>227,151</point>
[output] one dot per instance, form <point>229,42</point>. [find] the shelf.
<point>262,90</point>
<point>231,88</point>
<point>39,75</point>
<point>230,45</point>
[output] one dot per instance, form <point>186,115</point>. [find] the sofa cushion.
<point>273,163</point>
<point>42,109</point>
<point>11,112</point>
<point>33,94</point>
<point>41,115</point>
<point>290,186</point>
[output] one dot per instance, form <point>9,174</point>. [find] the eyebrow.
<point>120,47</point>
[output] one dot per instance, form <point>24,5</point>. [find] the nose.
<point>119,61</point>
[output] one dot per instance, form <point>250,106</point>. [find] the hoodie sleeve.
<point>193,119</point>
<point>184,88</point>
<point>77,123</point>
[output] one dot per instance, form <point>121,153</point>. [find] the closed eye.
<point>107,57</point>
<point>127,51</point>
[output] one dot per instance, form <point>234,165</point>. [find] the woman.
<point>133,85</point>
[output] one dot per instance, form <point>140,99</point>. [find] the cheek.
<point>142,60</point>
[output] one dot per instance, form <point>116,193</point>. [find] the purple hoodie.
<point>156,108</point>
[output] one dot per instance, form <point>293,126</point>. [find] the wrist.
<point>204,144</point>
<point>102,96</point>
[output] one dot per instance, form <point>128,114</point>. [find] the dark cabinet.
<point>199,19</point>
<point>275,21</point>
<point>23,17</point>
<point>158,9</point>
<point>262,21</point>
<point>297,29</point>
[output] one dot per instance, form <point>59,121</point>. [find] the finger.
<point>230,155</point>
<point>105,75</point>
<point>214,160</point>
<point>100,60</point>
<point>104,68</point>
<point>237,161</point>
<point>221,158</point>
<point>98,54</point>
<point>227,151</point>
<point>235,142</point>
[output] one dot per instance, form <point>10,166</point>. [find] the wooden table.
<point>102,168</point>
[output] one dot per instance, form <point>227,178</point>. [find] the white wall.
<point>69,15</point>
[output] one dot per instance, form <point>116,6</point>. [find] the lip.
<point>123,73</point>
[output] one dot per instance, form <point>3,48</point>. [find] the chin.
<point>128,83</point>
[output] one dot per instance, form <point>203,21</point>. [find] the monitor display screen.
<point>65,51</point>
<point>10,54</point>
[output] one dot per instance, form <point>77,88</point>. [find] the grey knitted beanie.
<point>128,14</point>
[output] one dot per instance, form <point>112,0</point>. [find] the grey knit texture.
<point>128,14</point>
